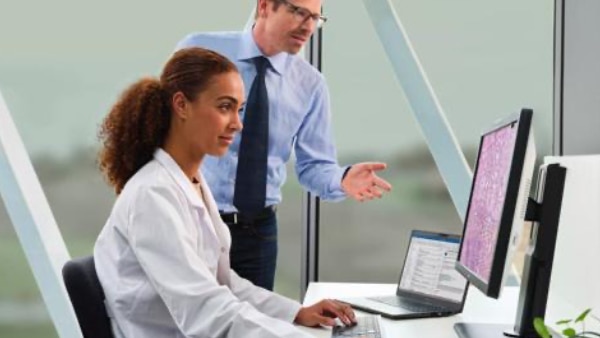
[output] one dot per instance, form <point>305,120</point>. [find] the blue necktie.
<point>251,177</point>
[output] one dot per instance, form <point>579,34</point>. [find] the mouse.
<point>339,322</point>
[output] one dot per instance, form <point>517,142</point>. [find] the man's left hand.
<point>362,183</point>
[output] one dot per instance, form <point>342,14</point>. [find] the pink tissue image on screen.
<point>487,200</point>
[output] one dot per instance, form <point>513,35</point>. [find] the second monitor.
<point>499,204</point>
<point>496,209</point>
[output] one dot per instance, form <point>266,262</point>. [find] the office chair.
<point>87,297</point>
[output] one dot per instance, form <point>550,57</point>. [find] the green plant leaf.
<point>582,316</point>
<point>569,332</point>
<point>564,321</point>
<point>540,328</point>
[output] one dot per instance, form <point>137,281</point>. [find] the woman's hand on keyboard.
<point>324,312</point>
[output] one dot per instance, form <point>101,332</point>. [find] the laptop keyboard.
<point>412,306</point>
<point>367,326</point>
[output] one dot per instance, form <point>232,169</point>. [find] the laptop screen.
<point>429,267</point>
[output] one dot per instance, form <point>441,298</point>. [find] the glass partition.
<point>484,62</point>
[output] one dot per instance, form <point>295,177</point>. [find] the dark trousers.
<point>254,249</point>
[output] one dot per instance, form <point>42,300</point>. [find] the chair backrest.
<point>87,297</point>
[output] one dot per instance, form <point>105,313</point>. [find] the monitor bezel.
<point>492,287</point>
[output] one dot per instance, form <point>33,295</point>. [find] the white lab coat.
<point>163,261</point>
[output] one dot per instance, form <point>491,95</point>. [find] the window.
<point>481,69</point>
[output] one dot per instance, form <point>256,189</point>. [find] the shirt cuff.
<point>291,307</point>
<point>336,193</point>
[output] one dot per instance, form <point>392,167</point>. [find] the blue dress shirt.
<point>299,118</point>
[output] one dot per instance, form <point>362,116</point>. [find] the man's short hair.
<point>276,5</point>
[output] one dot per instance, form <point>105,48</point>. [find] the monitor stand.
<point>484,330</point>
<point>537,268</point>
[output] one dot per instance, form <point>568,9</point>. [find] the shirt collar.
<point>179,176</point>
<point>249,50</point>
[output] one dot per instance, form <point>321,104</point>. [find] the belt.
<point>237,217</point>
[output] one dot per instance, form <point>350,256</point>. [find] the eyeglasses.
<point>302,14</point>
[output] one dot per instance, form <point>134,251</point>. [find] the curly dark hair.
<point>139,121</point>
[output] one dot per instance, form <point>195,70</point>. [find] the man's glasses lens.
<point>303,14</point>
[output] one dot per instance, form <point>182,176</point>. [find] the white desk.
<point>478,308</point>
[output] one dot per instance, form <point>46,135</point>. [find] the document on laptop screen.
<point>429,268</point>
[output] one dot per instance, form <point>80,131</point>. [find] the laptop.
<point>429,284</point>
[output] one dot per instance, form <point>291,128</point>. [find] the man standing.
<point>287,107</point>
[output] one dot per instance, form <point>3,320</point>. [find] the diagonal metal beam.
<point>444,147</point>
<point>34,224</point>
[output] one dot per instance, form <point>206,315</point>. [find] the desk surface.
<point>478,308</point>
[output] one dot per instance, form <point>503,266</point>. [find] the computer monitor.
<point>496,209</point>
<point>499,204</point>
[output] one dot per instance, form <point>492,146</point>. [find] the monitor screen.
<point>496,209</point>
<point>485,210</point>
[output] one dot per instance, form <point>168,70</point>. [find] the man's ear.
<point>261,7</point>
<point>180,103</point>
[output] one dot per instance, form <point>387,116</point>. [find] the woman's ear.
<point>180,105</point>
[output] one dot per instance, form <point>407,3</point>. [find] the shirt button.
<point>223,250</point>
